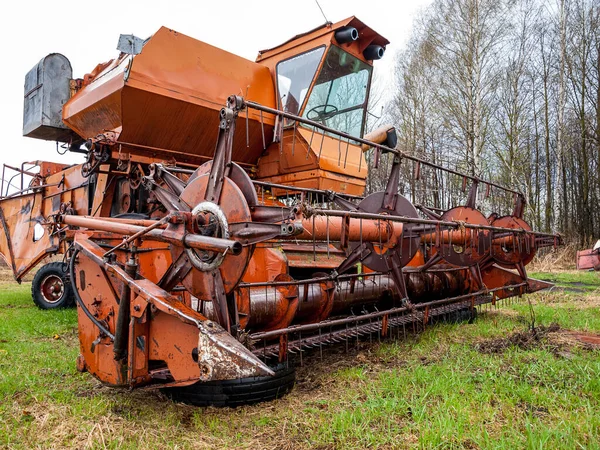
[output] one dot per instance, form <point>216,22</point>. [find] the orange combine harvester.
<point>219,222</point>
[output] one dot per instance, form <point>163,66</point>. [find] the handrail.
<point>20,171</point>
<point>380,147</point>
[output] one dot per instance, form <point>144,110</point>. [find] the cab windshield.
<point>339,97</point>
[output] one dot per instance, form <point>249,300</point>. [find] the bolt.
<point>136,308</point>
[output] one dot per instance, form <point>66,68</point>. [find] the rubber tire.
<point>467,315</point>
<point>232,393</point>
<point>53,268</point>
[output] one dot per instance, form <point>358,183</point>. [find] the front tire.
<point>51,287</point>
<point>232,393</point>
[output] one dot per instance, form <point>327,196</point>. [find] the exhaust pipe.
<point>346,34</point>
<point>373,52</point>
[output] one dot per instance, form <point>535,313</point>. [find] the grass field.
<point>489,384</point>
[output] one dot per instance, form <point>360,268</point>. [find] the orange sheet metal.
<point>68,186</point>
<point>19,218</point>
<point>495,277</point>
<point>318,179</point>
<point>169,97</point>
<point>318,162</point>
<point>336,156</point>
<point>266,263</point>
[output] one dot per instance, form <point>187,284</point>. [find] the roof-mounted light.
<point>373,52</point>
<point>346,34</point>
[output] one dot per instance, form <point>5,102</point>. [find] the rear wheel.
<point>243,391</point>
<point>51,287</point>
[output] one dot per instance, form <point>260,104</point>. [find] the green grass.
<point>585,280</point>
<point>434,390</point>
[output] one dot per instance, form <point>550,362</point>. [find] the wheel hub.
<point>52,288</point>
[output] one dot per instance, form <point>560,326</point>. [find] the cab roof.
<point>365,34</point>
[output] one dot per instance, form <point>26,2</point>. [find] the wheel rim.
<point>52,288</point>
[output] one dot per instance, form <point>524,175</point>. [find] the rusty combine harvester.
<point>219,223</point>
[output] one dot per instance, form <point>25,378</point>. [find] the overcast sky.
<point>87,34</point>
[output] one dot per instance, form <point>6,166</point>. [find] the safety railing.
<point>23,175</point>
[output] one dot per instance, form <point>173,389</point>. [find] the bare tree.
<point>509,90</point>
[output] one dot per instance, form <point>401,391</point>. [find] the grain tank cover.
<point>47,89</point>
<point>165,101</point>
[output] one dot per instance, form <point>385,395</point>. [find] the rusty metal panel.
<point>588,259</point>
<point>20,246</point>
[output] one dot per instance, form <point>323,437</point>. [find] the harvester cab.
<point>219,222</point>
<point>323,76</point>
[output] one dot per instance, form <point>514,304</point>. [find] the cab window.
<point>294,77</point>
<point>339,97</point>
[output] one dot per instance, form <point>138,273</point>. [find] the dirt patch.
<point>551,338</point>
<point>524,340</point>
<point>534,410</point>
<point>589,339</point>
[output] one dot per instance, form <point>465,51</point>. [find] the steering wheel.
<point>322,112</point>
